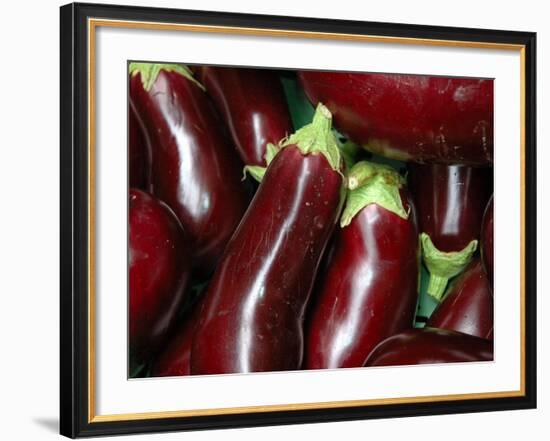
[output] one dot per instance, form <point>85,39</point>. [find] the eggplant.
<point>253,104</point>
<point>194,168</point>
<point>410,117</point>
<point>487,251</point>
<point>450,200</point>
<point>429,346</point>
<point>468,304</point>
<point>175,359</point>
<point>252,318</point>
<point>139,152</point>
<point>159,269</point>
<point>370,289</point>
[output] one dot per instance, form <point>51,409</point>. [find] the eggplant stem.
<point>436,286</point>
<point>442,265</point>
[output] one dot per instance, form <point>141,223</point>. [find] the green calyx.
<point>442,266</point>
<point>370,183</point>
<point>258,171</point>
<point>150,71</point>
<point>315,137</point>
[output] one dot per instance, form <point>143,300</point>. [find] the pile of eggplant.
<point>285,220</point>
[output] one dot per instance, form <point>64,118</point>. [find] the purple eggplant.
<point>369,291</point>
<point>139,152</point>
<point>194,168</point>
<point>160,265</point>
<point>450,202</point>
<point>430,346</point>
<point>252,318</point>
<point>468,304</point>
<point>253,104</point>
<point>410,117</point>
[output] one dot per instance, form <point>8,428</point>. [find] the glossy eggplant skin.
<point>139,152</point>
<point>175,359</point>
<point>195,170</point>
<point>253,105</point>
<point>159,269</point>
<point>253,312</point>
<point>429,346</point>
<point>370,289</point>
<point>487,250</point>
<point>450,200</point>
<point>409,117</point>
<point>468,304</point>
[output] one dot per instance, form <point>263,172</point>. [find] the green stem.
<point>150,71</point>
<point>444,265</point>
<point>256,171</point>
<point>436,286</point>
<point>370,183</point>
<point>314,138</point>
<point>317,137</point>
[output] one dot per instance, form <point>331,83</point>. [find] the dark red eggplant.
<point>450,201</point>
<point>175,359</point>
<point>410,117</point>
<point>429,346</point>
<point>253,104</point>
<point>139,152</point>
<point>370,289</point>
<point>195,170</point>
<point>159,262</point>
<point>252,318</point>
<point>487,251</point>
<point>468,304</point>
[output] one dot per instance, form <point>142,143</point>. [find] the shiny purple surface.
<point>253,311</point>
<point>175,359</point>
<point>429,346</point>
<point>410,117</point>
<point>159,268</point>
<point>253,104</point>
<point>195,170</point>
<point>370,289</point>
<point>139,152</point>
<point>450,201</point>
<point>468,304</point>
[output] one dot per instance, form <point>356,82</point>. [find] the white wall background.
<point>29,221</point>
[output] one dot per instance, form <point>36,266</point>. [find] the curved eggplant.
<point>468,304</point>
<point>139,152</point>
<point>429,346</point>
<point>487,251</point>
<point>159,271</point>
<point>450,202</point>
<point>253,312</point>
<point>175,359</point>
<point>253,104</point>
<point>370,289</point>
<point>410,117</point>
<point>195,171</point>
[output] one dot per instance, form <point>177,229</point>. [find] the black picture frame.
<point>74,411</point>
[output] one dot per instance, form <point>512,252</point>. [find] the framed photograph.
<point>274,220</point>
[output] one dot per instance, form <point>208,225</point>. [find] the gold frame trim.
<point>92,25</point>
